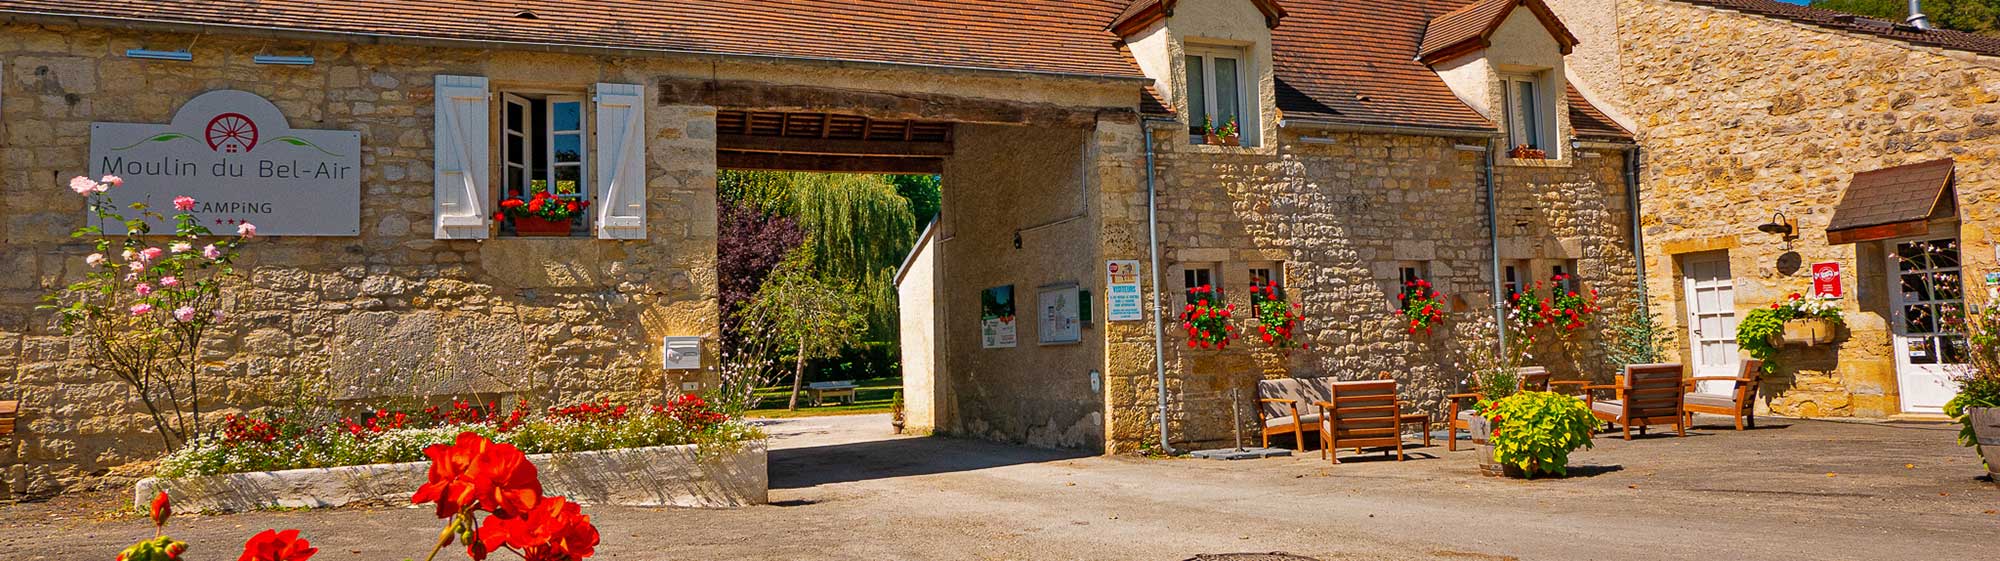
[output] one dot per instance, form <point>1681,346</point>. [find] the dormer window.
<point>1218,94</point>
<point>1529,122</point>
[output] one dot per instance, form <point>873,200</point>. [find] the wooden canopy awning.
<point>829,142</point>
<point>1893,202</point>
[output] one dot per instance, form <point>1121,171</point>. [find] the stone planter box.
<point>1808,332</point>
<point>1986,435</point>
<point>657,476</point>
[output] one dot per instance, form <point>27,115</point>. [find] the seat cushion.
<point>1285,421</point>
<point>1610,407</point>
<point>1711,400</point>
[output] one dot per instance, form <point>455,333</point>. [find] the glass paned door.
<point>1927,305</point>
<point>1711,319</point>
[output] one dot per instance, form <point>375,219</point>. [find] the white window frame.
<point>1247,100</point>
<point>1567,268</point>
<point>582,134</point>
<point>542,141</point>
<point>510,130</point>
<point>1188,279</point>
<point>1530,123</point>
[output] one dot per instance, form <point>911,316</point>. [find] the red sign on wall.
<point>1826,279</point>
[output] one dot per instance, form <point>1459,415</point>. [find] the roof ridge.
<point>1857,23</point>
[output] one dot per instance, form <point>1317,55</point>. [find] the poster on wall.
<point>1826,279</point>
<point>234,154</point>
<point>996,317</point>
<point>1059,308</point>
<point>1121,291</point>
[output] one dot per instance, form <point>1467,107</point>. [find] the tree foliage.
<point>859,223</point>
<point>749,246</point>
<point>1971,16</point>
<point>925,193</point>
<point>816,314</point>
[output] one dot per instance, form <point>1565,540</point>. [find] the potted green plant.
<point>1976,408</point>
<point>542,214</point>
<point>1534,432</point>
<point>1797,320</point>
<point>1226,135</point>
<point>1494,374</point>
<point>1208,321</point>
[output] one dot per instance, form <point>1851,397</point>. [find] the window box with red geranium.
<point>1423,306</point>
<point>1277,318</point>
<point>542,214</point>
<point>1563,309</point>
<point>1207,320</point>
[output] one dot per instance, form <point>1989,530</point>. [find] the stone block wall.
<point>1337,216</point>
<point>391,313</point>
<point>1743,116</point>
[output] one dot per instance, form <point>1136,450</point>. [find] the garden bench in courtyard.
<point>821,391</point>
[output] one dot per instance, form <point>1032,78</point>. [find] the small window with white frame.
<point>544,149</point>
<point>1530,123</point>
<point>1195,277</point>
<point>1514,278</point>
<point>1408,275</point>
<point>1266,278</point>
<point>1220,96</point>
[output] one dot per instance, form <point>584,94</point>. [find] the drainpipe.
<point>1493,246</point>
<point>1638,236</point>
<point>1153,244</point>
<point>1917,18</point>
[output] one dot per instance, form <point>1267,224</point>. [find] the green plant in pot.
<point>1977,406</point>
<point>1759,333</point>
<point>1536,431</point>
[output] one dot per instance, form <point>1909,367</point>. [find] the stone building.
<point>1376,146</point>
<point>1866,140</point>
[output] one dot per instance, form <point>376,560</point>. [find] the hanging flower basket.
<point>1807,331</point>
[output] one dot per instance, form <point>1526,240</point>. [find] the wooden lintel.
<point>1882,232</point>
<point>729,159</point>
<point>831,146</point>
<point>763,96</point>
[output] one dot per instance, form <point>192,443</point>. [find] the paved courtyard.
<point>844,489</point>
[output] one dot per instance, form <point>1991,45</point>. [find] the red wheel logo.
<point>231,132</point>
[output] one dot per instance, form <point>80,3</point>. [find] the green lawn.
<point>872,396</point>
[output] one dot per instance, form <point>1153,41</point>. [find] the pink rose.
<point>170,281</point>
<point>82,185</point>
<point>94,260</point>
<point>141,309</point>
<point>136,266</point>
<point>247,230</point>
<point>150,254</point>
<point>111,180</point>
<point>184,314</point>
<point>211,252</point>
<point>143,289</point>
<point>180,247</point>
<point>183,203</point>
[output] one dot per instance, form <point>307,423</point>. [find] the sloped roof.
<point>1142,13</point>
<point>1891,195</point>
<point>1356,63</point>
<point>1471,28</point>
<point>1051,36</point>
<point>1591,123</point>
<point>1842,21</point>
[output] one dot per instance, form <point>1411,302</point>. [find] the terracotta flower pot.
<point>537,226</point>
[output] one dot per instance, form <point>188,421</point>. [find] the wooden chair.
<point>1529,378</point>
<point>1421,420</point>
<point>9,410</point>
<point>1646,395</point>
<point>1740,402</point>
<point>1279,405</point>
<point>1361,414</point>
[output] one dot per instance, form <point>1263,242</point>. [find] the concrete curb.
<point>678,476</point>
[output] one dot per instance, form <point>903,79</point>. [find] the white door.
<point>1711,306</point>
<point>1927,300</point>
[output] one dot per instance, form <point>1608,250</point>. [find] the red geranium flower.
<point>272,545</point>
<point>555,530</point>
<point>476,473</point>
<point>162,508</point>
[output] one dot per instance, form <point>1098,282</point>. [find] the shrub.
<point>1536,431</point>
<point>253,443</point>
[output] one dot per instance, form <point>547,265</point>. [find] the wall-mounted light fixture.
<point>283,59</point>
<point>149,54</point>
<point>1784,229</point>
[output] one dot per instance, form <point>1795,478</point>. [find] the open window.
<point>1219,94</point>
<point>495,150</point>
<point>1530,117</point>
<point>544,149</point>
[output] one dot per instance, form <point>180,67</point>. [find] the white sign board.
<point>1061,315</point>
<point>233,152</point>
<point>1121,291</point>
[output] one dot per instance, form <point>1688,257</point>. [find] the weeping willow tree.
<point>858,229</point>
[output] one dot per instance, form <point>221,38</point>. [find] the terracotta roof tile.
<point>1356,63</point>
<point>1891,195</point>
<point>1590,123</point>
<point>1464,24</point>
<point>1944,38</point>
<point>1052,36</point>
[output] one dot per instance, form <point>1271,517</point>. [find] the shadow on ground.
<point>797,468</point>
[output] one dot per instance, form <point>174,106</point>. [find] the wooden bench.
<point>1363,414</point>
<point>8,411</point>
<point>842,390</point>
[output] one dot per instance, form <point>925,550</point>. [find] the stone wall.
<point>1337,216</point>
<point>1742,116</point>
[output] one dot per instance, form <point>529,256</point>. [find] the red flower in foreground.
<point>272,545</point>
<point>555,530</point>
<point>162,508</point>
<point>475,473</point>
